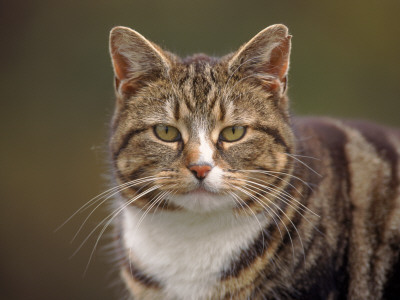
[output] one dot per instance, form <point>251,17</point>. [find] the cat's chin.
<point>201,200</point>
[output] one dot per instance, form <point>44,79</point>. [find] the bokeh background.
<point>56,88</point>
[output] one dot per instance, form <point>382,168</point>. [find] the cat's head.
<point>201,133</point>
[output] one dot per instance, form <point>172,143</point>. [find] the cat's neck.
<point>171,245</point>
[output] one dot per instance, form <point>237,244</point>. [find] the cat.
<point>222,194</point>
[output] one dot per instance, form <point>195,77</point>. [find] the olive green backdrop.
<point>56,88</point>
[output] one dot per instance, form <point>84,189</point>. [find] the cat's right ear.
<point>265,56</point>
<point>135,60</point>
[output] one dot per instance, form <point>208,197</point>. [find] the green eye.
<point>167,133</point>
<point>232,133</point>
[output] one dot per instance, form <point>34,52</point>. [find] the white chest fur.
<point>185,251</point>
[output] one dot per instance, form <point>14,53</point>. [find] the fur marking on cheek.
<point>206,152</point>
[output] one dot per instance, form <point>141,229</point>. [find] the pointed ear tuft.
<point>134,59</point>
<point>266,55</point>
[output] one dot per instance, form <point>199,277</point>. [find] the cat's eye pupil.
<point>167,133</point>
<point>232,133</point>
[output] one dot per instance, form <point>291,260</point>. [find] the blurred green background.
<point>57,97</point>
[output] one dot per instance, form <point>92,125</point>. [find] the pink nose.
<point>200,171</point>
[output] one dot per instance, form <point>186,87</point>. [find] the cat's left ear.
<point>265,56</point>
<point>135,59</point>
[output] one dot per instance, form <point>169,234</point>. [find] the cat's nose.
<point>200,171</point>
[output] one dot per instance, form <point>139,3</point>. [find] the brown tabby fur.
<point>337,234</point>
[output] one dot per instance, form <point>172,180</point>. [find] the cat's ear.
<point>135,59</point>
<point>265,56</point>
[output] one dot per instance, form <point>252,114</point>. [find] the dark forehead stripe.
<point>198,77</point>
<point>200,87</point>
<point>195,87</point>
<point>177,110</point>
<point>188,104</point>
<point>222,111</point>
<point>212,102</point>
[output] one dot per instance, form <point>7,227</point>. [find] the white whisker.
<point>110,196</point>
<point>303,207</point>
<point>285,181</point>
<point>305,156</point>
<point>282,195</point>
<point>110,218</point>
<point>288,203</point>
<point>282,173</point>
<point>268,208</point>
<point>277,206</point>
<point>304,164</point>
<point>154,202</point>
<point>255,216</point>
<point>98,198</point>
<point>113,216</point>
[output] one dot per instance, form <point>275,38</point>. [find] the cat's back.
<point>359,166</point>
<point>349,142</point>
<point>362,157</point>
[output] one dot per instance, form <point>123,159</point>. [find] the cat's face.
<point>201,134</point>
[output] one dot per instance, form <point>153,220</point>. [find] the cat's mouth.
<point>202,199</point>
<point>201,191</point>
<point>203,188</point>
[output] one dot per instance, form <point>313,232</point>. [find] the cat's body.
<point>232,198</point>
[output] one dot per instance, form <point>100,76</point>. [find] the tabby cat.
<point>222,194</point>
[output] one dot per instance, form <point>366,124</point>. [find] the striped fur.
<point>298,208</point>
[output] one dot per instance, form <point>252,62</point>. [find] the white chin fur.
<point>203,201</point>
<point>186,251</point>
